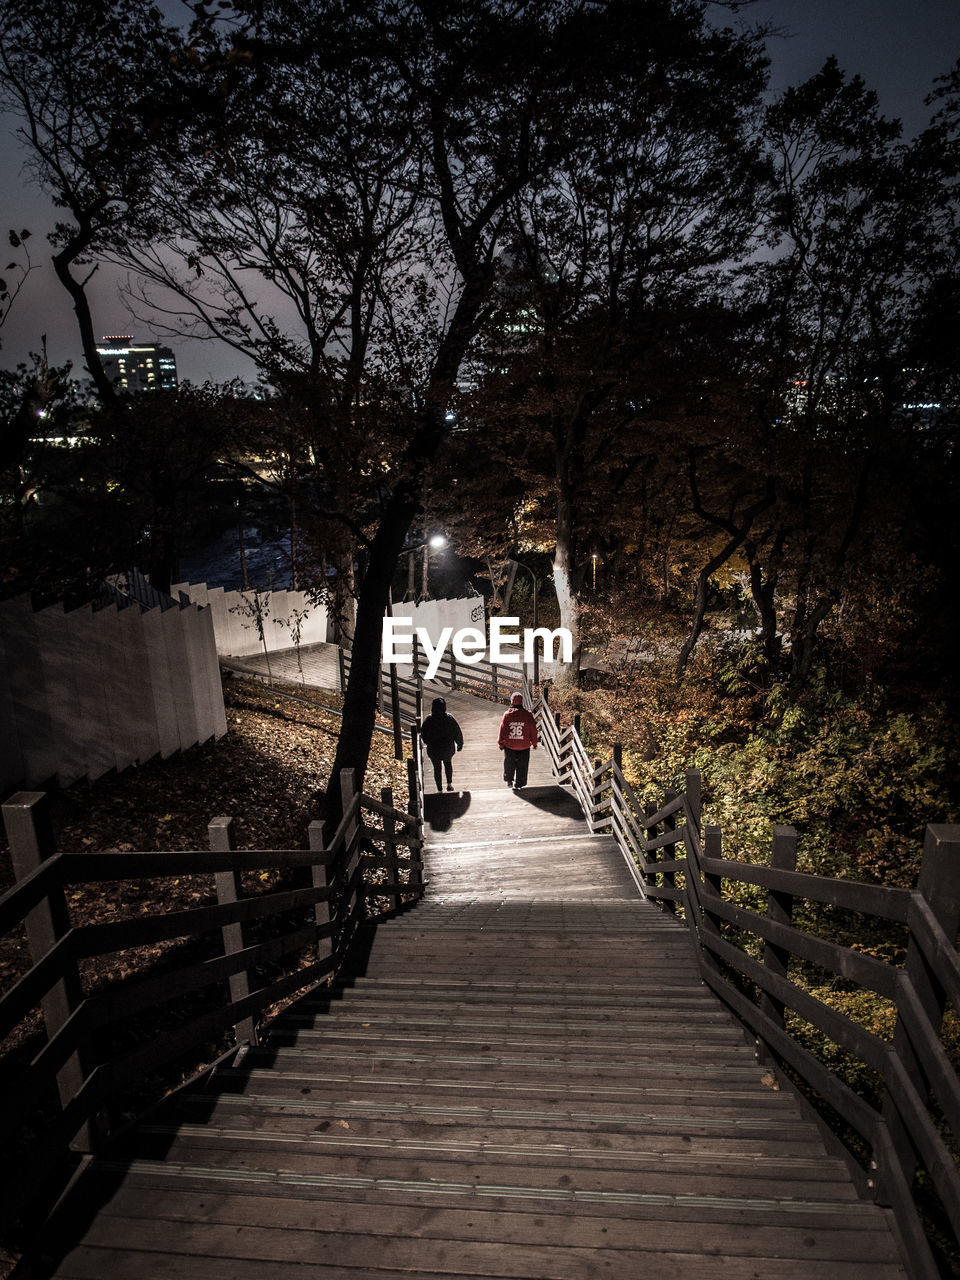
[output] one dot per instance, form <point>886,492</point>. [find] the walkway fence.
<point>90,690</point>
<point>238,953</point>
<point>902,1143</point>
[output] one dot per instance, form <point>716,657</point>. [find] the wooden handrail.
<point>326,913</point>
<point>916,1065</point>
<point>853,895</point>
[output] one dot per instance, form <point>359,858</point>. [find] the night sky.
<point>898,46</point>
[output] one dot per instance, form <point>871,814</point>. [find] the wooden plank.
<point>137,995</point>
<point>442,1256</point>
<point>840,1243</point>
<point>849,1104</point>
<point>265,1114</point>
<point>117,935</point>
<point>91,868</point>
<point>669,1114</point>
<point>29,890</point>
<point>848,1034</point>
<point>35,984</point>
<point>94,1264</point>
<point>173,1042</point>
<point>851,895</point>
<point>939,951</point>
<point>853,965</point>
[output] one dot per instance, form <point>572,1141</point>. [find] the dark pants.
<point>515,765</point>
<point>447,763</point>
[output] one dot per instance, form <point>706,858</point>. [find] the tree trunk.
<point>294,575</point>
<point>495,599</point>
<point>62,262</point>
<point>805,643</point>
<point>360,698</point>
<point>763,589</point>
<point>738,535</point>
<point>508,589</point>
<point>700,594</point>
<point>244,575</point>
<point>344,599</point>
<point>564,580</point>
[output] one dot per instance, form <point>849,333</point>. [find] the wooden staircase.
<point>523,1077</point>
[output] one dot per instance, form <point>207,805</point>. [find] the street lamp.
<point>536,620</point>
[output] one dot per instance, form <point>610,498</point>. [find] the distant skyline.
<point>897,48</point>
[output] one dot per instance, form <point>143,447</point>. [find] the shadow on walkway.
<point>442,808</point>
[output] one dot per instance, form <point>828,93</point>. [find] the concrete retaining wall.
<point>88,691</point>
<point>235,628</point>
<point>434,615</point>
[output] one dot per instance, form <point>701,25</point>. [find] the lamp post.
<point>435,542</point>
<point>536,620</point>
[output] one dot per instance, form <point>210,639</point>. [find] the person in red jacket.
<point>518,734</point>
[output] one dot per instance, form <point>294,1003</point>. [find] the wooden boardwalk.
<point>523,1077</point>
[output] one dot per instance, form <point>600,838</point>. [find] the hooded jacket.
<point>518,729</point>
<point>440,732</point>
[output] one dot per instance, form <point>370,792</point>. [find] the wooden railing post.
<point>26,818</point>
<point>650,855</point>
<point>395,709</point>
<point>319,879</point>
<point>414,764</point>
<point>939,886</point>
<point>669,853</point>
<point>693,787</point>
<point>351,850</point>
<point>390,828</point>
<point>712,885</point>
<point>415,807</point>
<point>779,909</point>
<point>229,889</point>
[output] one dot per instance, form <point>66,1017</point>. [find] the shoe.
<point>449,786</point>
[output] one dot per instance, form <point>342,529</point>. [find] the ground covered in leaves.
<point>265,773</point>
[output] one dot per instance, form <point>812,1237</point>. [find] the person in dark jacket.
<point>518,734</point>
<point>442,737</point>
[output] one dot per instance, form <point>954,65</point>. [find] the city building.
<point>137,367</point>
